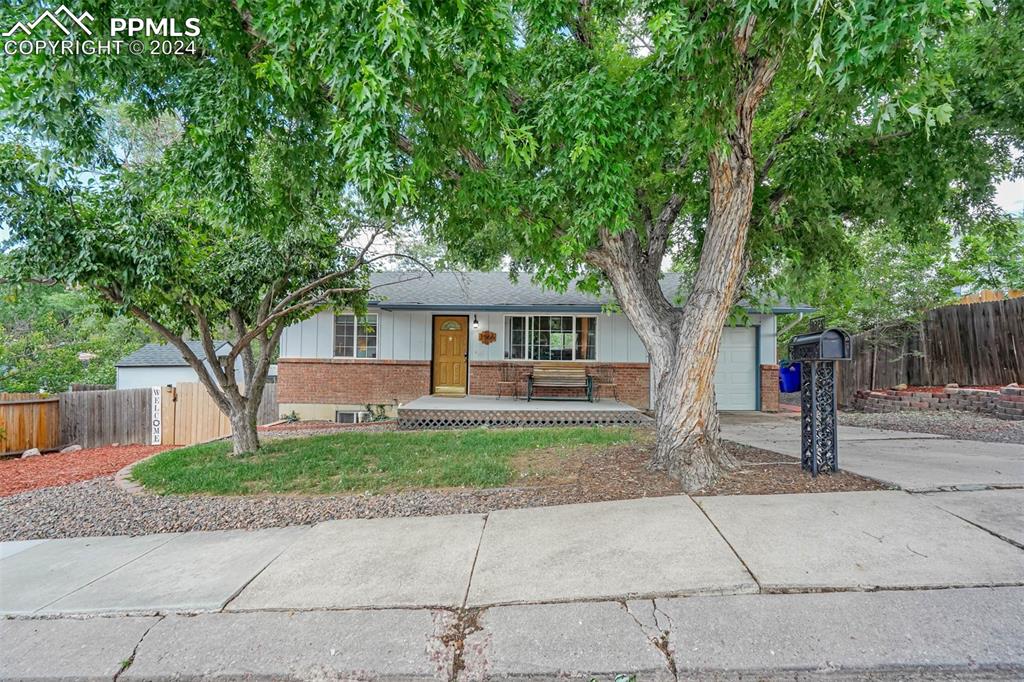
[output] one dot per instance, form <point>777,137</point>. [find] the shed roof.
<point>166,355</point>
<point>496,291</point>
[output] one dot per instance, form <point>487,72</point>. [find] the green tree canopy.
<point>186,191</point>
<point>579,137</point>
<point>44,332</point>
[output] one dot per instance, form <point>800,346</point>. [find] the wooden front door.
<point>451,343</point>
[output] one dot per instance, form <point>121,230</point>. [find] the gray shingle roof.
<point>495,291</point>
<point>166,355</point>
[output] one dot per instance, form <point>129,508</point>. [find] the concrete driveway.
<point>916,462</point>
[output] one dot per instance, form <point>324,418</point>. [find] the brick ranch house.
<point>461,333</point>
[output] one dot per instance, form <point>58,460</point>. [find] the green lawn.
<point>371,462</point>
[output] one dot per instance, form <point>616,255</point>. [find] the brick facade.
<point>358,382</point>
<point>388,382</point>
<point>1006,403</point>
<point>769,388</point>
<point>632,381</point>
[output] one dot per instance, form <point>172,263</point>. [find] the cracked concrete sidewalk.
<point>969,633</point>
<point>883,582</point>
<point>845,585</point>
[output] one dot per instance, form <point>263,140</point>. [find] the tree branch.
<point>175,340</point>
<point>579,24</point>
<point>248,362</point>
<point>657,236</point>
<point>782,138</point>
<point>226,379</point>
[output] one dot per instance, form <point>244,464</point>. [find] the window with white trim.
<point>347,417</point>
<point>550,337</point>
<point>355,337</point>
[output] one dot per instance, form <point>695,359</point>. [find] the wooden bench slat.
<point>561,376</point>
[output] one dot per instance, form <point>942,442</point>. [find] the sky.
<point>1010,197</point>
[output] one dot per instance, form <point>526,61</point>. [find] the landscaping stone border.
<point>1006,403</point>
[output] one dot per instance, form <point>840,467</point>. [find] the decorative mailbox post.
<point>817,354</point>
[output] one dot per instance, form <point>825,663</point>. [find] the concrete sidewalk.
<point>882,584</point>
<point>528,590</point>
<point>669,546</point>
<point>932,634</point>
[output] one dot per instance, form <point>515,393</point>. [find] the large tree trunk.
<point>244,436</point>
<point>683,347</point>
<point>684,344</point>
<point>688,446</point>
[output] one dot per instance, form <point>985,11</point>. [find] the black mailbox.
<point>830,344</point>
<point>817,353</point>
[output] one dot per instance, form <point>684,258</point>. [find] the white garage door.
<point>736,377</point>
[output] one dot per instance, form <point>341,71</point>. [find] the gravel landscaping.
<point>952,423</point>
<point>99,507</point>
<point>321,428</point>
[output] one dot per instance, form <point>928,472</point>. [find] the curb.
<point>123,478</point>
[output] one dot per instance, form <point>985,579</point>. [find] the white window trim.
<point>597,342</point>
<point>334,336</point>
<point>358,416</point>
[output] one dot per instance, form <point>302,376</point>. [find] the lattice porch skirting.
<point>465,419</point>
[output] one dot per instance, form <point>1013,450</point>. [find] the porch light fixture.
<point>476,323</point>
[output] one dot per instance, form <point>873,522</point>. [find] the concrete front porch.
<point>431,412</point>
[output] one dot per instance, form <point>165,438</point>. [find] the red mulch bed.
<point>18,475</point>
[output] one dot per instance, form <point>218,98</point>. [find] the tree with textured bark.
<point>192,190</point>
<point>590,139</point>
<point>577,137</point>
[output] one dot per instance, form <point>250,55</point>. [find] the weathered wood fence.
<point>28,420</point>
<point>91,387</point>
<point>979,344</point>
<point>98,418</point>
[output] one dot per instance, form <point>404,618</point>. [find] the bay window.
<point>550,337</point>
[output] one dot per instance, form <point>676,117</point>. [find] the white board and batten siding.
<point>405,335</point>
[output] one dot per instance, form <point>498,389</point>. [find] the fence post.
<point>168,412</point>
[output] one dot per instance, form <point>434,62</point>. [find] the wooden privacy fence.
<point>97,418</point>
<point>190,415</point>
<point>91,387</point>
<point>28,420</point>
<point>980,344</point>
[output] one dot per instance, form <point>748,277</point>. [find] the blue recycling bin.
<point>789,378</point>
